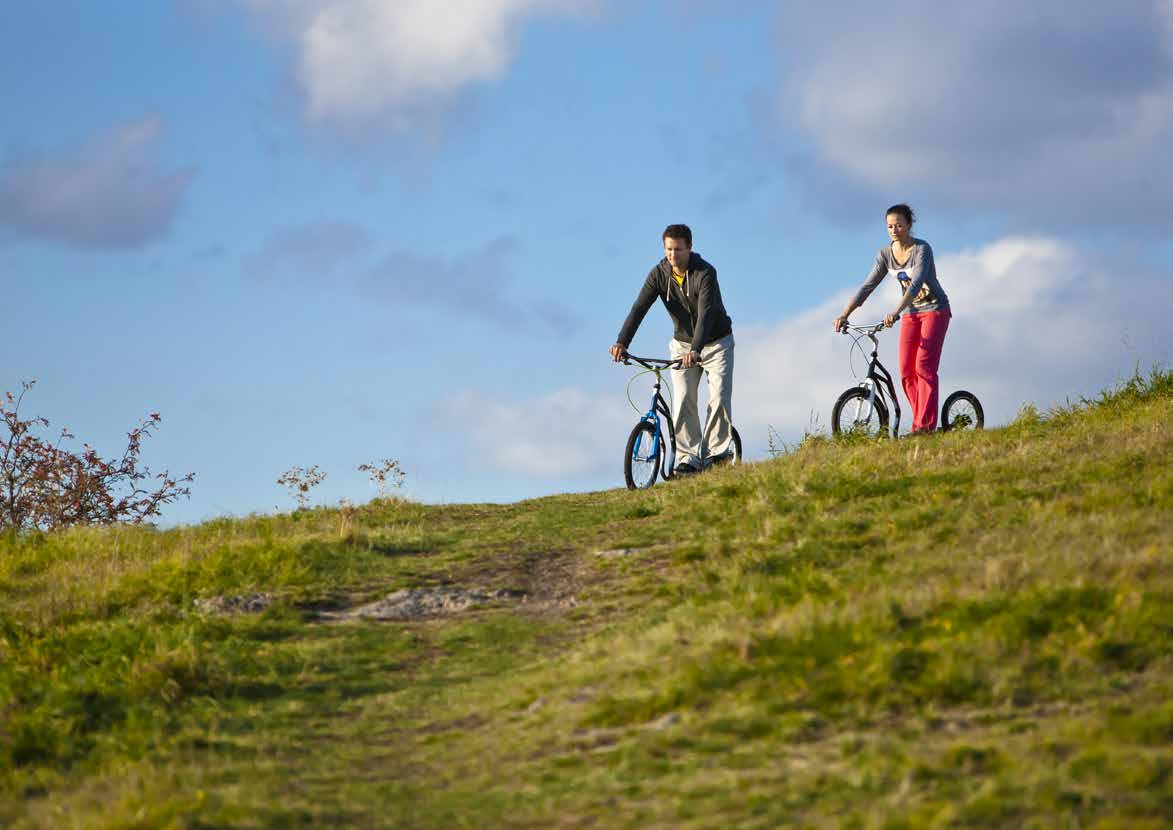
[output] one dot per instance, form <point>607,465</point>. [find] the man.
<point>703,340</point>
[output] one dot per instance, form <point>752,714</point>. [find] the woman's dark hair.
<point>902,210</point>
<point>678,232</point>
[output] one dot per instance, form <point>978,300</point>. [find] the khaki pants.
<point>693,446</point>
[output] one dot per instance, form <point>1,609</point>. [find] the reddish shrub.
<point>46,487</point>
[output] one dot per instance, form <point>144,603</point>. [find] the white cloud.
<point>385,62</point>
<point>317,249</point>
<point>109,193</point>
<point>478,285</point>
<point>566,434</point>
<point>1047,111</point>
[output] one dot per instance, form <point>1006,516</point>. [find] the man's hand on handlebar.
<point>841,323</point>
<point>655,364</point>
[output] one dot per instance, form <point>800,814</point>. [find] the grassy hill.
<point>954,631</point>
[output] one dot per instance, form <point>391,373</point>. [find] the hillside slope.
<point>954,631</point>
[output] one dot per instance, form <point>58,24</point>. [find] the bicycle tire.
<point>640,473</point>
<point>878,416</point>
<point>736,446</point>
<point>954,415</point>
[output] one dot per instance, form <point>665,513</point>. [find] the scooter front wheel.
<point>855,413</point>
<point>641,462</point>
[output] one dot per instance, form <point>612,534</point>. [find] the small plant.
<point>775,445</point>
<point>299,481</point>
<point>346,513</point>
<point>387,473</point>
<point>45,487</point>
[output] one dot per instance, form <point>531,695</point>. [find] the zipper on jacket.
<point>684,294</point>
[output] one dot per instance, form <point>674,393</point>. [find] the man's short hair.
<point>678,232</point>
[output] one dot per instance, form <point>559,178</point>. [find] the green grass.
<point>969,630</point>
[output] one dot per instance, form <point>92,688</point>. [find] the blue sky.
<point>332,231</point>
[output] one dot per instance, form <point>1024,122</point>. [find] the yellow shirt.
<point>678,277</point>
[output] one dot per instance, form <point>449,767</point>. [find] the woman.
<point>925,309</point>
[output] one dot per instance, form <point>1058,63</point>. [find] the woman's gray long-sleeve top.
<point>917,275</point>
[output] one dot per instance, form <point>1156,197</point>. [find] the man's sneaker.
<point>720,460</point>
<point>686,468</point>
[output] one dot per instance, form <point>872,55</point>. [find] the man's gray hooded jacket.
<point>695,306</point>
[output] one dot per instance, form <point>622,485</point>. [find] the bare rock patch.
<point>253,603</point>
<point>616,553</point>
<point>419,603</point>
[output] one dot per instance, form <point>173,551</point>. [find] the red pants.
<point>921,338</point>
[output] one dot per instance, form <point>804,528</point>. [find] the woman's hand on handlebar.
<point>618,353</point>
